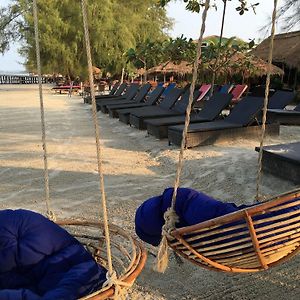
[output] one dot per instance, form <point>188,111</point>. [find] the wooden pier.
<point>22,79</point>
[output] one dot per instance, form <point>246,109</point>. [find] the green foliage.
<point>191,5</point>
<point>195,5</point>
<point>244,7</point>
<point>232,59</point>
<point>115,26</point>
<point>146,54</point>
<point>10,24</point>
<point>149,53</point>
<point>179,49</point>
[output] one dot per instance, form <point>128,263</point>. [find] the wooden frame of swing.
<point>135,260</point>
<point>252,254</point>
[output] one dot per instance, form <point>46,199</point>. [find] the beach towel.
<point>192,207</point>
<point>40,260</point>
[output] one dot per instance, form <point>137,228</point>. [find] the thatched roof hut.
<point>286,49</point>
<point>171,67</point>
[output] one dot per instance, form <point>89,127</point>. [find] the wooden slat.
<point>295,227</point>
<point>278,217</point>
<point>278,224</point>
<point>239,214</point>
<point>278,238</point>
<point>284,206</point>
<point>197,235</point>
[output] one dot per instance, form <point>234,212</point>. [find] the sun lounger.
<point>226,88</point>
<point>278,101</point>
<point>168,88</point>
<point>130,93</point>
<point>114,109</point>
<point>167,102</point>
<point>137,118</point>
<point>204,89</point>
<point>237,92</point>
<point>282,161</point>
<point>138,98</point>
<point>114,89</point>
<point>240,122</point>
<point>211,110</point>
<point>65,88</point>
<point>117,93</point>
<point>285,116</point>
<point>121,88</point>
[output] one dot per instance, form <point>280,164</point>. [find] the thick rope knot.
<point>162,258</point>
<point>119,285</point>
<point>171,218</point>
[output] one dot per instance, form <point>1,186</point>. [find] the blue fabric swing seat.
<point>193,207</point>
<point>41,260</point>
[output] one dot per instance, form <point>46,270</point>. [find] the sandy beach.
<point>136,167</point>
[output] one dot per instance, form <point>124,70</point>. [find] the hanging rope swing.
<point>249,240</point>
<point>111,246</point>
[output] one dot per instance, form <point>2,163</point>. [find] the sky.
<point>246,27</point>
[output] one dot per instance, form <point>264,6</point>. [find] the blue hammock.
<point>40,260</point>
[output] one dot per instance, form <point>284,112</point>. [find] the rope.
<point>120,286</point>
<point>266,100</point>
<point>162,258</point>
<point>97,136</point>
<point>112,280</point>
<point>50,213</point>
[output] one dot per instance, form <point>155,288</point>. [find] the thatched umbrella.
<point>250,66</point>
<point>171,67</point>
<point>286,49</point>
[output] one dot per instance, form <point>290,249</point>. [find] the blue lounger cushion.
<point>192,207</point>
<point>41,260</point>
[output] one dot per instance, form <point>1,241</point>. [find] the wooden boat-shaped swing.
<point>252,239</point>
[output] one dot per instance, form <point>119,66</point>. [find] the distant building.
<point>214,39</point>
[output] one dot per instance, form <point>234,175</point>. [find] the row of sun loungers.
<point>162,113</point>
<point>164,117</point>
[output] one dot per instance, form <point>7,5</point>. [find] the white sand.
<point>136,167</point>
